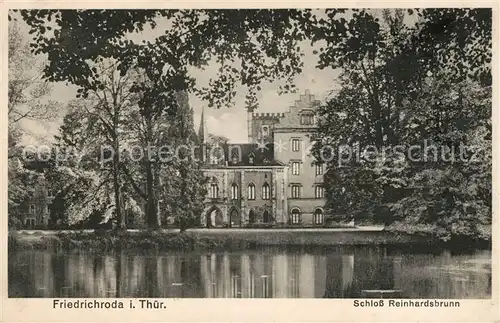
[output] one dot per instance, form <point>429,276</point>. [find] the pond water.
<point>342,272</point>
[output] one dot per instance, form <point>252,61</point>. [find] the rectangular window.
<point>296,191</point>
<point>295,145</point>
<point>307,119</point>
<point>319,169</point>
<point>32,209</point>
<point>319,192</point>
<point>295,168</point>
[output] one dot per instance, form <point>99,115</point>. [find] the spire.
<point>203,131</point>
<point>203,136</point>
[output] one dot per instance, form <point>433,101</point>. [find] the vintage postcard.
<point>249,162</point>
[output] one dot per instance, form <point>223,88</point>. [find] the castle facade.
<point>269,181</point>
<point>272,180</point>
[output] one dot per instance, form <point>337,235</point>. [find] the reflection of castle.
<point>252,274</point>
<point>257,275</point>
<point>272,179</point>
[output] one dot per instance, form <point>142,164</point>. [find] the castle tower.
<point>249,123</point>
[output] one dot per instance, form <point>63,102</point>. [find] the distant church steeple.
<point>203,134</point>
<point>203,131</point>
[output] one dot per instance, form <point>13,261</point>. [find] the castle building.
<point>37,212</point>
<point>272,180</point>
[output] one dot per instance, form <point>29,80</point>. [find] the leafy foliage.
<point>410,78</point>
<point>132,88</point>
<point>413,109</point>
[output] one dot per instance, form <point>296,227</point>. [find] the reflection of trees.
<point>151,276</point>
<point>340,274</point>
<point>333,272</point>
<point>366,268</point>
<point>119,272</point>
<point>59,271</point>
<point>20,274</point>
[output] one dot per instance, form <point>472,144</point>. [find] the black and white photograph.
<point>341,153</point>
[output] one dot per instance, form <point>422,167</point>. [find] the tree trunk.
<point>183,223</point>
<point>117,187</point>
<point>152,214</point>
<point>377,116</point>
<point>157,190</point>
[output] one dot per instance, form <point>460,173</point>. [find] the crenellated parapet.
<point>268,115</point>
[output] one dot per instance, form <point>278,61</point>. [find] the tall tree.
<point>27,90</point>
<point>27,100</point>
<point>378,73</point>
<point>399,91</point>
<point>109,94</point>
<point>250,46</point>
<point>84,182</point>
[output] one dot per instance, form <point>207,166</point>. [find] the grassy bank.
<point>208,239</point>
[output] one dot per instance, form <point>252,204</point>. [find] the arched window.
<point>251,216</point>
<point>265,191</point>
<point>251,191</point>
<point>266,217</point>
<point>214,191</point>
<point>265,131</point>
<point>295,216</point>
<point>318,216</point>
<point>235,219</point>
<point>234,191</point>
<point>214,217</point>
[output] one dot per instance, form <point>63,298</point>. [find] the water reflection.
<point>340,273</point>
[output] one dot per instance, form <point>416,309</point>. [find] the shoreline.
<point>221,239</point>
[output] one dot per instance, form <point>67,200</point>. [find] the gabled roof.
<point>253,154</point>
<point>250,154</point>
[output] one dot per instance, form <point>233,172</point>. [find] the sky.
<point>229,122</point>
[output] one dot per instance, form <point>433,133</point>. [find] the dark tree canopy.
<point>250,45</point>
